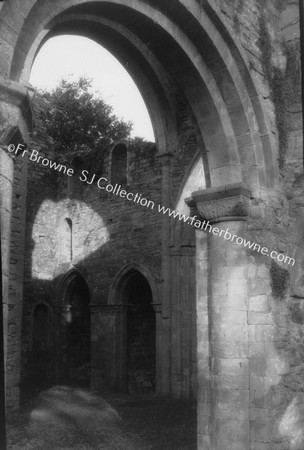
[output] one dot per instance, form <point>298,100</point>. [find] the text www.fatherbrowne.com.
<point>102,184</point>
<point>206,226</point>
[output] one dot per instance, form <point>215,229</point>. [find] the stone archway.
<point>73,331</point>
<point>134,302</point>
<point>182,47</point>
<point>196,81</point>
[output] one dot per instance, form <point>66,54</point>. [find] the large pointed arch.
<point>164,47</point>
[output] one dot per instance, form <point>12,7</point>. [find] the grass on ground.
<point>63,418</point>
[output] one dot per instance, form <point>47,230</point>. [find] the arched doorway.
<point>74,337</point>
<point>134,300</point>
<point>140,335</point>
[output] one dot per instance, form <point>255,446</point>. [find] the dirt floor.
<point>63,418</point>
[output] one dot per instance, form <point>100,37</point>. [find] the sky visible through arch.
<point>71,57</point>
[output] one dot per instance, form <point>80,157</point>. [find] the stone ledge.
<point>220,192</point>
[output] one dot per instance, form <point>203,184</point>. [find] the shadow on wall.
<point>72,226</point>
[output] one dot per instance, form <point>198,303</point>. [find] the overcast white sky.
<point>74,56</point>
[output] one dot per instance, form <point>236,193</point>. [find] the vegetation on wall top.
<point>78,119</point>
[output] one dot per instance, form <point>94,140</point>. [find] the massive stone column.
<point>222,318</point>
<point>6,189</point>
<point>15,123</point>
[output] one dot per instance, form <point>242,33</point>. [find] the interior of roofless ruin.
<point>58,320</point>
<point>105,292</point>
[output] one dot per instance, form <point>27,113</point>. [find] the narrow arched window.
<point>119,164</point>
<point>66,240</point>
<point>69,239</point>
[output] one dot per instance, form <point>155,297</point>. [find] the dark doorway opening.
<point>40,358</point>
<point>78,333</point>
<point>141,336</point>
<point>40,329</point>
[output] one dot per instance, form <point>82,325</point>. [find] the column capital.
<point>13,92</point>
<point>15,106</point>
<point>223,203</point>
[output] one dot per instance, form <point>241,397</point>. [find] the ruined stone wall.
<point>268,34</point>
<point>108,233</point>
<point>250,308</point>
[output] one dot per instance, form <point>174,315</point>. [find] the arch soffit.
<point>124,275</point>
<point>236,62</point>
<point>187,46</point>
<point>80,21</point>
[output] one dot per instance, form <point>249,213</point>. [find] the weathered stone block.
<point>229,333</point>
<point>258,366</point>
<point>259,414</point>
<point>237,286</point>
<point>232,367</point>
<point>259,303</point>
<point>258,287</point>
<point>219,288</point>
<point>203,442</point>
<point>231,431</point>
<point>259,431</point>
<point>233,317</point>
<point>233,302</point>
<point>265,333</point>
<point>225,381</point>
<point>257,383</point>
<point>260,318</point>
<point>234,350</point>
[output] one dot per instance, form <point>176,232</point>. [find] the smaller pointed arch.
<point>136,358</point>
<point>124,275</point>
<point>119,164</point>
<point>73,327</point>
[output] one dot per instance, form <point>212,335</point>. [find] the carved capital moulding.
<point>15,108</point>
<point>223,203</point>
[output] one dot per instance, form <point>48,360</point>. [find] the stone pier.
<point>16,122</point>
<point>224,320</point>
